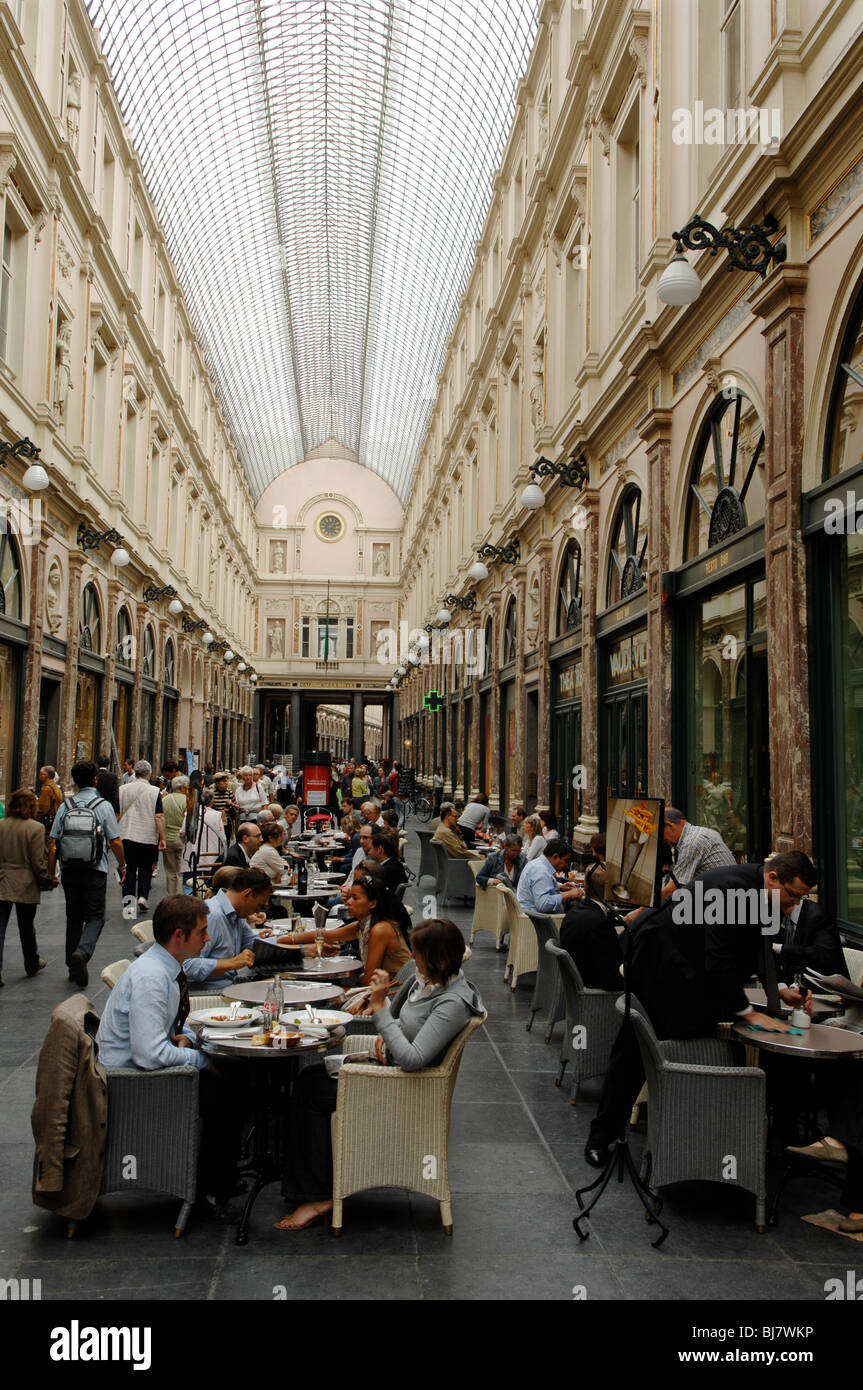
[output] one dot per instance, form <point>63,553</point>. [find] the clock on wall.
<point>330,526</point>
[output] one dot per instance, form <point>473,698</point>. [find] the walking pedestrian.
<point>84,828</point>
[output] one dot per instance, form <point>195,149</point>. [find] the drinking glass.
<point>320,938</point>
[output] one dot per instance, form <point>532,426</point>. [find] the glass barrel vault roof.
<point>322,169</point>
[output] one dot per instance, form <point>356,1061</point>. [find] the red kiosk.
<point>316,788</point>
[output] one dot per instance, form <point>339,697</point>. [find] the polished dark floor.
<point>515,1160</point>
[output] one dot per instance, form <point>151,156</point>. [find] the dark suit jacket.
<point>108,786</point>
<point>588,934</point>
<point>816,944</point>
<point>236,856</point>
<point>393,873</point>
<point>493,868</point>
<point>690,976</point>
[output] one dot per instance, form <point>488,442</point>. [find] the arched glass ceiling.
<point>322,169</point>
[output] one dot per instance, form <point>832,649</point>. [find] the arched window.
<point>10,576</point>
<point>170,661</point>
<point>488,653</point>
<point>90,628</point>
<point>626,574</point>
<point>569,593</point>
<point>510,634</point>
<point>148,663</point>
<point>843,443</point>
<point>726,488</point>
<point>125,654</point>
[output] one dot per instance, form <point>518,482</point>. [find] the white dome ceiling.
<point>322,169</point>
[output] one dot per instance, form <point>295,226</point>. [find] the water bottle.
<point>302,879</point>
<point>272,1007</point>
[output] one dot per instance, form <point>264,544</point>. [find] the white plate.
<point>243,1017</point>
<point>330,1018</point>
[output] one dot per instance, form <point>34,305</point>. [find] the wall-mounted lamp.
<point>35,478</point>
<point>89,539</point>
<point>573,472</point>
<point>749,248</point>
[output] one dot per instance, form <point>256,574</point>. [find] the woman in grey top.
<point>427,1014</point>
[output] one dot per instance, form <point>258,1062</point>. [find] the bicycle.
<point>418,805</point>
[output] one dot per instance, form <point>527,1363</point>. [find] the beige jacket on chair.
<point>70,1116</point>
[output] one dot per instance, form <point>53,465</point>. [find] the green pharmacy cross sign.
<point>433,701</point>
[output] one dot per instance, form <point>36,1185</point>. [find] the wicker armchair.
<point>454,877</point>
<point>143,932</point>
<point>522,956</point>
<point>111,973</point>
<point>391,1127</point>
<point>702,1112</point>
<point>548,990</point>
<point>591,1027</point>
<point>489,913</point>
<point>153,1115</point>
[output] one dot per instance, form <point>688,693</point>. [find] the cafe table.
<point>294,991</point>
<point>269,1073</point>
<point>820,1042</point>
<point>821,1008</point>
<point>326,968</point>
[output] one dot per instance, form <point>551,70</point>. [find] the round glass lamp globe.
<point>678,283</point>
<point>120,556</point>
<point>175,607</point>
<point>478,571</point>
<point>35,479</point>
<point>533,497</point>
<point>444,617</point>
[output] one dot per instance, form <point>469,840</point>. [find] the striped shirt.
<point>699,849</point>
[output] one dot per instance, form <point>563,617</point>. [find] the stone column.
<point>494,703</point>
<point>70,691</point>
<point>780,301</point>
<point>588,823</point>
<point>655,429</point>
<point>519,773</point>
<point>475,740</point>
<point>543,731</point>
<point>357,742</point>
<point>159,639</point>
<point>33,665</point>
<point>296,731</point>
<point>135,713</point>
<point>106,722</point>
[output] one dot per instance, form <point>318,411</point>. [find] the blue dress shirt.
<point>139,1017</point>
<point>229,935</point>
<point>538,889</point>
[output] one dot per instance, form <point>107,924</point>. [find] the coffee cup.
<point>800,1019</point>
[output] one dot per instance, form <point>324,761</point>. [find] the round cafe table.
<point>255,991</point>
<point>820,1007</point>
<point>327,968</point>
<point>269,1073</point>
<point>819,1041</point>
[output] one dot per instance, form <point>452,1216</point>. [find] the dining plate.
<point>330,1018</point>
<point>221,1018</point>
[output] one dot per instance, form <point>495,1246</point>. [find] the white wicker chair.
<point>389,1124</point>
<point>112,972</point>
<point>488,912</point>
<point>523,955</point>
<point>142,931</point>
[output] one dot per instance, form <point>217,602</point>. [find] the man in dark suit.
<point>689,962</point>
<point>249,839</point>
<point>588,933</point>
<point>385,852</point>
<point>808,938</point>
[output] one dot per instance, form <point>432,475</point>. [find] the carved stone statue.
<point>73,111</point>
<point>542,129</point>
<point>275,639</point>
<point>62,369</point>
<point>278,556</point>
<point>382,559</point>
<point>537,386</point>
<point>53,590</point>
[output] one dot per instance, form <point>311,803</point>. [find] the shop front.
<point>566,740</point>
<point>721,753</point>
<point>833,531</point>
<point>623,714</point>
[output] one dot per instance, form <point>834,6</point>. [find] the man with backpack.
<point>84,828</point>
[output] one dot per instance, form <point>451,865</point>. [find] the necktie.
<point>768,975</point>
<point>183,1010</point>
<point>790,927</point>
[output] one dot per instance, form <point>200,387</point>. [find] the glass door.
<point>566,800</point>
<point>626,742</point>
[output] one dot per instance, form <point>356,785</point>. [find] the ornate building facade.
<point>661,625</point>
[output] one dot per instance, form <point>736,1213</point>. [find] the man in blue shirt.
<point>84,884</point>
<point>144,1025</point>
<point>231,941</point>
<point>538,889</point>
